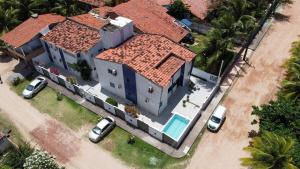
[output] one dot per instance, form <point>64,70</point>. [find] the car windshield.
<point>215,119</point>
<point>97,130</point>
<point>29,87</point>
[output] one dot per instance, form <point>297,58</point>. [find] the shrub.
<point>59,96</point>
<point>132,110</point>
<point>131,139</point>
<point>84,69</point>
<point>72,80</point>
<point>16,81</point>
<point>112,101</point>
<point>40,160</point>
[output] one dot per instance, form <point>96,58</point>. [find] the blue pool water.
<point>176,126</point>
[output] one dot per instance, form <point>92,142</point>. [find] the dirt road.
<point>258,85</point>
<point>70,148</point>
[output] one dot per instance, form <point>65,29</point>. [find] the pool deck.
<point>193,107</point>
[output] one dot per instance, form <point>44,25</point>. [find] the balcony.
<point>26,56</point>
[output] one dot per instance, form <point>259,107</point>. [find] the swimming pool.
<point>176,126</point>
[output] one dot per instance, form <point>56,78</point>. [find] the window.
<point>150,89</point>
<point>147,100</point>
<point>160,104</point>
<point>112,85</point>
<point>112,71</point>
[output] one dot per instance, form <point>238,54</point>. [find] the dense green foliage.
<point>178,9</point>
<point>232,23</point>
<point>270,151</point>
<point>13,12</point>
<point>17,156</point>
<point>112,101</point>
<point>291,85</point>
<point>283,115</point>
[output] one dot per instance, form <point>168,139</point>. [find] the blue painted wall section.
<point>63,59</point>
<point>130,84</point>
<point>181,78</point>
<point>48,51</point>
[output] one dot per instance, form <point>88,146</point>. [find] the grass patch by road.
<point>67,111</point>
<point>5,123</point>
<point>140,154</point>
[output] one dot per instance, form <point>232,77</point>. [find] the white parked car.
<point>34,87</point>
<point>101,129</point>
<point>217,118</point>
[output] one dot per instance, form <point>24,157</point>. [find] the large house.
<point>142,67</point>
<point>83,37</point>
<point>147,69</point>
<point>24,41</point>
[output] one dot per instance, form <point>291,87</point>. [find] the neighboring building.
<point>83,37</point>
<point>24,41</point>
<point>198,8</point>
<point>146,70</point>
<point>148,17</point>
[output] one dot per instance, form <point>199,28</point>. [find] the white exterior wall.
<point>154,98</point>
<point>187,69</point>
<point>106,78</point>
<point>113,38</point>
<point>164,98</point>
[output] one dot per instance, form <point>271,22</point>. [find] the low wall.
<point>204,75</point>
<point>118,112</point>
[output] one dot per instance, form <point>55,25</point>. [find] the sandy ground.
<point>71,149</point>
<point>257,85</point>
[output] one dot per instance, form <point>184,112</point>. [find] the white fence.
<point>204,75</point>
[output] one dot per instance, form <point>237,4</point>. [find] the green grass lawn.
<point>140,154</point>
<point>67,111</point>
<point>5,123</point>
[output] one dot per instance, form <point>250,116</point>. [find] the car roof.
<point>219,111</point>
<point>35,81</point>
<point>102,123</point>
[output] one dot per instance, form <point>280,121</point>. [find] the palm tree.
<point>269,151</point>
<point>8,19</point>
<point>291,84</point>
<point>67,7</point>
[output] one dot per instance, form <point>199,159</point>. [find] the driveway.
<point>257,85</point>
<point>70,149</point>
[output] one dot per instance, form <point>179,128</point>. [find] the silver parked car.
<point>101,129</point>
<point>34,87</point>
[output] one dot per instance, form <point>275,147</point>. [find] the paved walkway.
<point>256,85</point>
<point>71,149</point>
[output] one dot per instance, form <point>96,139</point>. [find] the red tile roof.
<point>90,20</point>
<point>199,8</point>
<point>149,17</point>
<point>73,36</point>
<point>153,56</point>
<point>29,29</point>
